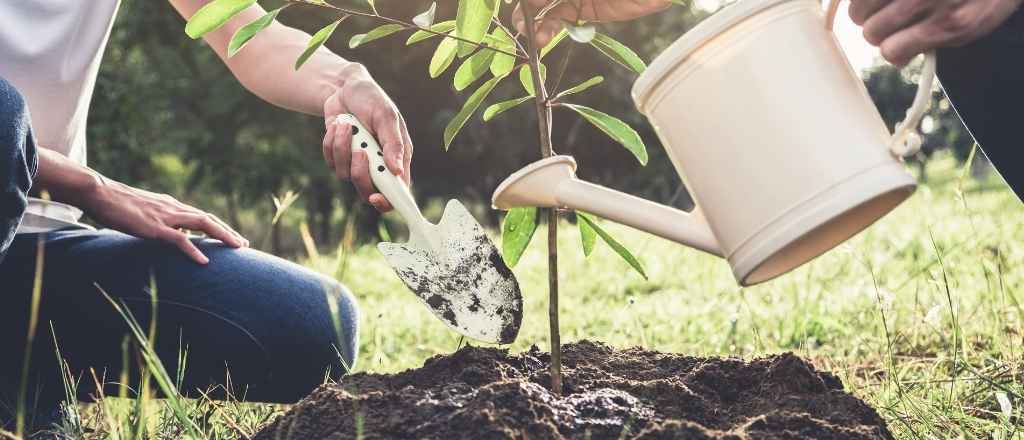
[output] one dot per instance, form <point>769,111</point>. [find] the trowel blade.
<point>465,283</point>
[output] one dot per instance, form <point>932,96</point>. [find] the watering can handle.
<point>906,141</point>
<point>391,186</point>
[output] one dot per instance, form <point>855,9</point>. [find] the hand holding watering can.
<point>772,132</point>
<point>902,29</point>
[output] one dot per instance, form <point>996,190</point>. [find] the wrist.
<point>85,190</point>
<point>342,77</point>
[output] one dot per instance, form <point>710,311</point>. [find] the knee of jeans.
<point>325,347</point>
<point>345,323</point>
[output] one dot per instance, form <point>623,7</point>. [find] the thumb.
<point>389,134</point>
<point>333,107</point>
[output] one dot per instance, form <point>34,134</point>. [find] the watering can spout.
<point>552,182</point>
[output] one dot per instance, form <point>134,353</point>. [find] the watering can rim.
<point>692,40</point>
<point>528,170</point>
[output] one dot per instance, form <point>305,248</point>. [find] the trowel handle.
<point>905,141</point>
<point>391,186</point>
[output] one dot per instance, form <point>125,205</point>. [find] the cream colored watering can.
<point>773,133</point>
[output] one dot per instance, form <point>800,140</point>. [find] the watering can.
<point>773,134</point>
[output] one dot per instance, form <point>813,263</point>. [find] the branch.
<point>404,24</point>
<point>541,92</point>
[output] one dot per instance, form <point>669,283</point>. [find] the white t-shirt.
<point>50,50</point>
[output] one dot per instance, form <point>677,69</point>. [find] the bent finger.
<point>341,150</point>
<point>861,10</point>
<point>380,202</point>
<point>181,241</point>
<point>904,45</point>
<point>360,173</point>
<point>203,223</point>
<point>328,145</point>
<point>894,17</point>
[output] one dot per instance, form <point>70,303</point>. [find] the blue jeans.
<point>265,321</point>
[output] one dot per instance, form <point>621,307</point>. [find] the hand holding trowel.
<point>452,266</point>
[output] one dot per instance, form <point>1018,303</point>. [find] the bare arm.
<point>129,210</point>
<point>327,85</point>
<point>266,65</point>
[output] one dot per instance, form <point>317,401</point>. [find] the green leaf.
<point>615,245</point>
<point>526,78</point>
<point>588,237</point>
<point>581,34</point>
<point>443,57</point>
<point>245,33</point>
<point>319,38</point>
<point>517,230</point>
<point>213,15</point>
<point>442,27</point>
<point>502,63</point>
<point>618,52</point>
<point>374,34</point>
<point>472,69</point>
<point>615,129</point>
<point>426,18</point>
<point>472,21</point>
<point>582,86</point>
<point>470,107</point>
<point>499,108</point>
<point>553,43</point>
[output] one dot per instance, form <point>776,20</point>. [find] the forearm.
<point>64,179</point>
<point>266,65</point>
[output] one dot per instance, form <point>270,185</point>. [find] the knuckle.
<point>871,36</point>
<point>956,23</point>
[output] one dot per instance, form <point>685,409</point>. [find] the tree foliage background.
<point>168,116</point>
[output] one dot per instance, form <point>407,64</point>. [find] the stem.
<point>405,24</point>
<point>544,119</point>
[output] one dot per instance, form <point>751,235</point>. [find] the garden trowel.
<point>452,266</point>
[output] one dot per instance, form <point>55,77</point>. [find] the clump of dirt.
<point>485,393</point>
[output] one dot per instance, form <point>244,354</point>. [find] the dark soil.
<point>485,393</point>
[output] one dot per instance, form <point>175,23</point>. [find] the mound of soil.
<point>485,393</point>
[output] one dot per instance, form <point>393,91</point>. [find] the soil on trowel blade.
<point>485,393</point>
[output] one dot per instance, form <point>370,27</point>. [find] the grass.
<point>921,316</point>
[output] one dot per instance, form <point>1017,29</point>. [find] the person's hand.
<point>569,11</point>
<point>360,95</point>
<point>902,29</point>
<point>154,216</point>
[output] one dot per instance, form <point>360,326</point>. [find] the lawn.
<point>920,315</point>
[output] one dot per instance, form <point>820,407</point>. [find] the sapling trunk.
<point>544,120</point>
